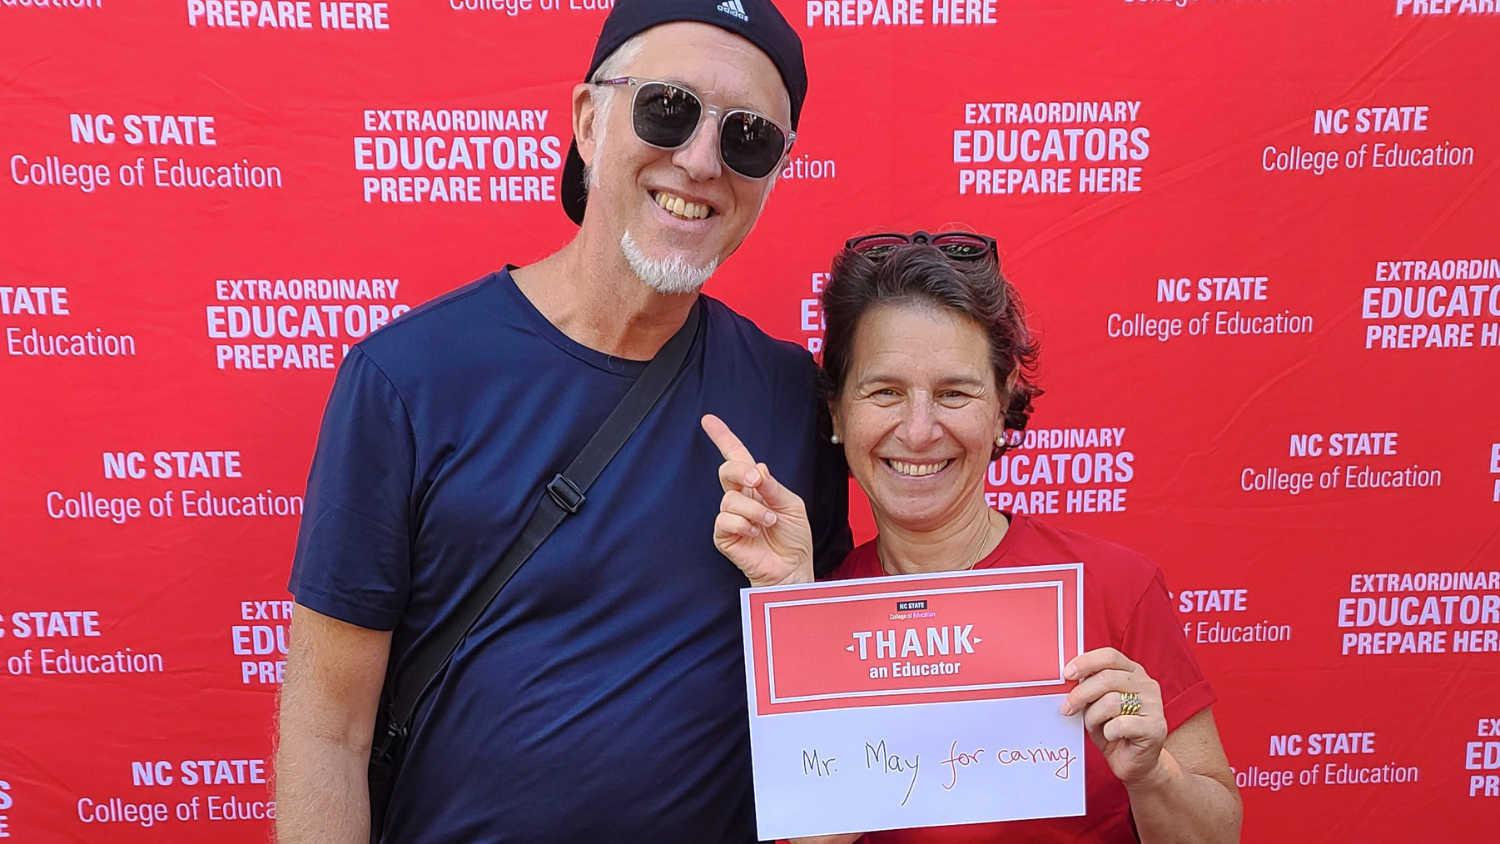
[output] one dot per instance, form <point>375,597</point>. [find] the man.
<point>601,697</point>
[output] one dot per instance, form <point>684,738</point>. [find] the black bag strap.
<point>565,495</point>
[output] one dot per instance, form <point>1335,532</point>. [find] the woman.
<point>927,361</point>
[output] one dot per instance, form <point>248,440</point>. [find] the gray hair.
<point>603,96</point>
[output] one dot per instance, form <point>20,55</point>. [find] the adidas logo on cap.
<point>734,8</point>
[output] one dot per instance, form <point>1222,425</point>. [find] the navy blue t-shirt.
<point>602,696</point>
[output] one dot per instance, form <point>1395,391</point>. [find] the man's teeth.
<point>917,470</point>
<point>680,207</point>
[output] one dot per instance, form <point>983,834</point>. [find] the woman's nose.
<point>919,429</point>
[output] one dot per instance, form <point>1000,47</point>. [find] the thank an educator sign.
<point>914,701</point>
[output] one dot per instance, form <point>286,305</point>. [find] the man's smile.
<point>681,208</point>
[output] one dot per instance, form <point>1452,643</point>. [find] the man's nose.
<point>700,156</point>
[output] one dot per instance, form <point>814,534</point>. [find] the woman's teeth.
<point>680,207</point>
<point>918,470</point>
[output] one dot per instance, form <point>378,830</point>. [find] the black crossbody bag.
<point>565,494</point>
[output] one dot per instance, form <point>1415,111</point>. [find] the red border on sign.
<point>975,635</point>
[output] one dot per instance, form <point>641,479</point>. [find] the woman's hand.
<point>762,526</point>
<point>1131,744</point>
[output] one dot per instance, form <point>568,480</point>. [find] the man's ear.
<point>584,130</point>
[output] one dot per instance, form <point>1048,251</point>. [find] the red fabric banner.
<point>1257,236</point>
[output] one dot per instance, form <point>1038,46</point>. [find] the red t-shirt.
<point>1125,606</point>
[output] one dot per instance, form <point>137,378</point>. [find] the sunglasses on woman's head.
<point>666,115</point>
<point>960,246</point>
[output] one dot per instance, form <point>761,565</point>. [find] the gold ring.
<point>1130,703</point>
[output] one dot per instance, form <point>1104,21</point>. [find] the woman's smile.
<point>917,468</point>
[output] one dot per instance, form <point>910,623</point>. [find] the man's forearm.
<point>333,675</point>
<point>322,791</point>
<point>1180,807</point>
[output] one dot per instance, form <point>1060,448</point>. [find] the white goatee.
<point>673,275</point>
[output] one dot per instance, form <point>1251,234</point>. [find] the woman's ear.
<point>1003,410</point>
<point>838,423</point>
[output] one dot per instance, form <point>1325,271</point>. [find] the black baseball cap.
<point>756,21</point>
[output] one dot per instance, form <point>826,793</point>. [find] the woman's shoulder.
<point>1110,564</point>
<point>1032,542</point>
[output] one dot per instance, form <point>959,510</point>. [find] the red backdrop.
<point>1258,237</point>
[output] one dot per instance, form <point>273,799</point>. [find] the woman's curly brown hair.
<point>921,274</point>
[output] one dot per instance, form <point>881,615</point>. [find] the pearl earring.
<point>835,439</point>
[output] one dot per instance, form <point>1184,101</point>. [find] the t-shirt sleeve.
<point>828,512</point>
<point>354,545</point>
<point>1154,638</point>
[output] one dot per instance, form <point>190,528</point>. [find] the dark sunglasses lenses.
<point>961,247</point>
<point>878,246</point>
<point>750,144</point>
<point>667,116</point>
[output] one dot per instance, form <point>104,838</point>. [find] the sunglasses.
<point>960,246</point>
<point>666,115</point>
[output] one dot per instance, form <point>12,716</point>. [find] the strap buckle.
<point>390,738</point>
<point>565,493</point>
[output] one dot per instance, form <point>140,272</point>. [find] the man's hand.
<point>762,526</point>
